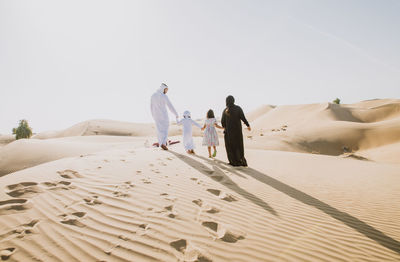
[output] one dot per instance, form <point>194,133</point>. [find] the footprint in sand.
<point>180,245</point>
<point>172,213</point>
<point>11,206</point>
<point>73,219</point>
<point>188,252</point>
<point>69,174</point>
<point>146,181</point>
<point>91,201</point>
<point>26,189</point>
<point>53,184</point>
<point>120,194</point>
<point>167,197</point>
<point>143,228</point>
<point>122,190</point>
<point>199,182</point>
<point>222,195</point>
<point>198,202</point>
<point>212,210</point>
<point>129,183</point>
<point>207,208</point>
<point>169,208</point>
<point>5,254</point>
<point>58,185</point>
<point>22,230</point>
<point>221,232</point>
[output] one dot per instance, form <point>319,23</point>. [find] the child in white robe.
<point>187,123</point>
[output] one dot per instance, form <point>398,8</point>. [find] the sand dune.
<point>144,204</point>
<point>329,128</point>
<point>100,127</point>
<point>99,192</point>
<point>6,139</point>
<point>26,153</point>
<point>112,128</point>
<point>259,112</point>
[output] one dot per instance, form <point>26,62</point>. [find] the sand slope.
<point>144,204</point>
<point>6,139</point>
<point>100,127</point>
<point>26,153</point>
<point>85,194</point>
<point>329,128</point>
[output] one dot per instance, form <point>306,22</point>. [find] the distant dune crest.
<point>368,130</point>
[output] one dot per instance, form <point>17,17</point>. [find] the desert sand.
<point>323,184</point>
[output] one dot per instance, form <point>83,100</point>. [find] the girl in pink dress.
<point>210,138</point>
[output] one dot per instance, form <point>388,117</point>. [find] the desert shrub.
<point>23,130</point>
<point>336,101</point>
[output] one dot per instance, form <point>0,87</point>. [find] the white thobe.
<point>159,104</point>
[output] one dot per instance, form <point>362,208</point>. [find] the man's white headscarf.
<point>159,104</point>
<point>162,88</point>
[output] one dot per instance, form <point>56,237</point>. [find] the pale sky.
<point>63,62</point>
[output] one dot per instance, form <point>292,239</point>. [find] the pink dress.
<point>210,133</point>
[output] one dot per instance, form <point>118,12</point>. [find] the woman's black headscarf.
<point>230,101</point>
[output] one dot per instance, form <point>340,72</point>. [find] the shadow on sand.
<point>218,175</point>
<point>347,219</point>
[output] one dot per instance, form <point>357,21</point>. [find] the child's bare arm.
<point>204,127</point>
<point>218,126</point>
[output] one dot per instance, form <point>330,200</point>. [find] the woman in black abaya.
<point>231,121</point>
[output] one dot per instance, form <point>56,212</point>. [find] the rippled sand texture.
<point>149,205</point>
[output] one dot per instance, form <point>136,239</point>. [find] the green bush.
<point>23,130</point>
<point>336,101</point>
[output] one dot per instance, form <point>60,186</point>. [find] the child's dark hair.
<point>210,114</point>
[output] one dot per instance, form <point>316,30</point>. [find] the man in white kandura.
<point>159,104</point>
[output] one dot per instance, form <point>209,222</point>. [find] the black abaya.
<point>231,121</point>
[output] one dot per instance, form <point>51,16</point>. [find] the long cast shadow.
<point>218,175</point>
<point>347,219</point>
